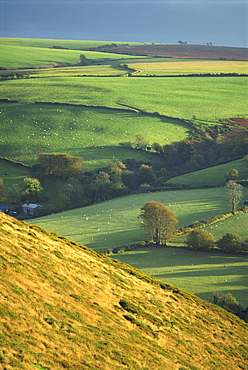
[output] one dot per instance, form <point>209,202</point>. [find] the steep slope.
<point>64,306</point>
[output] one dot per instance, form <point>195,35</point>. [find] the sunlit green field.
<point>213,176</point>
<point>13,56</point>
<point>205,98</point>
<point>190,67</point>
<point>114,223</point>
<point>201,273</point>
<point>94,134</point>
<point>234,224</point>
<point>12,173</point>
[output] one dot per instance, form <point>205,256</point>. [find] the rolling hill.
<point>64,306</point>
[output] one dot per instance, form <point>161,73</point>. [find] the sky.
<point>222,22</point>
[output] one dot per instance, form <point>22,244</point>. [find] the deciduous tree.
<point>63,165</point>
<point>159,221</point>
<point>232,174</point>
<point>28,189</point>
<point>234,194</point>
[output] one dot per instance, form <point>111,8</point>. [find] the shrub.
<point>230,242</point>
<point>227,301</point>
<point>200,239</point>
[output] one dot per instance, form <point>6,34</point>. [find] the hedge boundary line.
<point>209,221</point>
<point>181,231</point>
<point>12,161</point>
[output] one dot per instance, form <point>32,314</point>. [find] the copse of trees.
<point>203,240</point>
<point>204,149</point>
<point>63,165</point>
<point>159,222</point>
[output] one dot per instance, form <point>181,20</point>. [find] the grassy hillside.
<point>213,176</point>
<point>64,306</point>
<point>12,173</point>
<point>93,133</point>
<point>175,97</point>
<point>49,43</point>
<point>23,55</point>
<point>114,223</point>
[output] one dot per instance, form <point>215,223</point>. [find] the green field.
<point>12,173</point>
<point>234,224</point>
<point>200,273</point>
<point>19,56</point>
<point>94,134</point>
<point>205,98</point>
<point>213,176</point>
<point>185,67</point>
<point>49,43</point>
<point>114,223</point>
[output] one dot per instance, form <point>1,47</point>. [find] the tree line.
<point>160,224</point>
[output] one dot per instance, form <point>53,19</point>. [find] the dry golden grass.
<point>64,306</point>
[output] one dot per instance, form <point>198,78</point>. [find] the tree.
<point>234,194</point>
<point>84,61</point>
<point>115,170</point>
<point>230,242</point>
<point>200,239</point>
<point>28,189</point>
<point>64,165</point>
<point>102,177</point>
<point>3,191</point>
<point>146,174</point>
<point>227,301</point>
<point>140,142</point>
<point>159,221</point>
<point>232,174</point>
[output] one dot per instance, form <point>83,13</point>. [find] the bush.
<point>230,242</point>
<point>227,301</point>
<point>200,240</point>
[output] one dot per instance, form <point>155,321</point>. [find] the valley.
<point>162,123</point>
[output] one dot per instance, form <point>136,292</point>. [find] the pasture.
<point>12,173</point>
<point>234,224</point>
<point>204,98</point>
<point>200,273</point>
<point>185,67</point>
<point>92,133</point>
<point>49,43</point>
<point>16,56</point>
<point>213,176</point>
<point>115,223</point>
